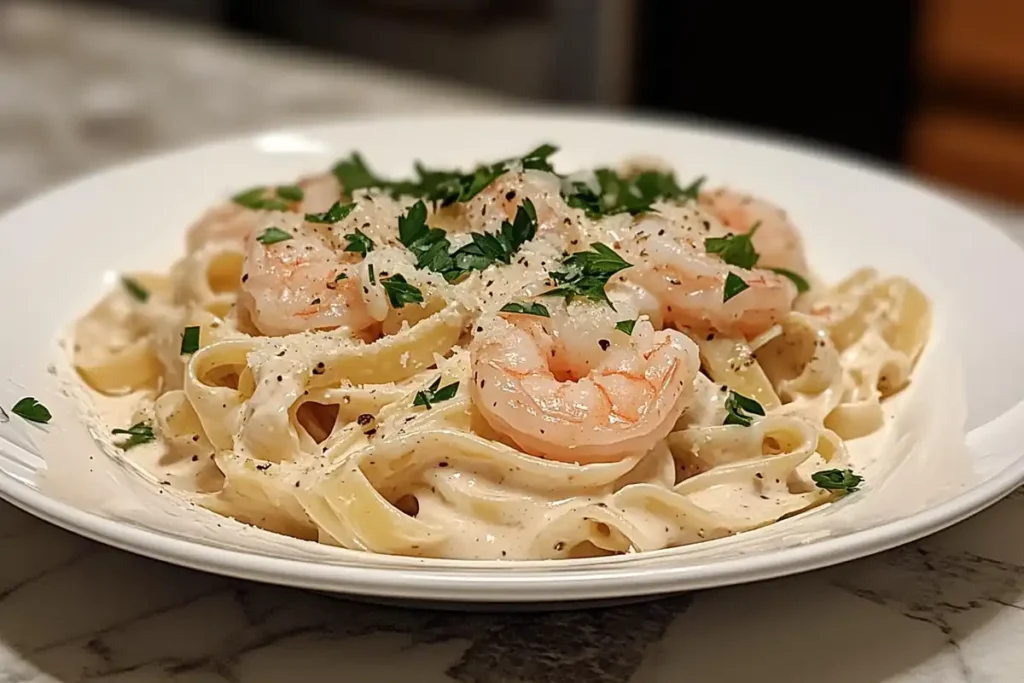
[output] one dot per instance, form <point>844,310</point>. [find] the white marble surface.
<point>83,89</point>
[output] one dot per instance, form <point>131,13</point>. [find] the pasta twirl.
<point>507,363</point>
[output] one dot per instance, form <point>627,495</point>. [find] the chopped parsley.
<point>373,278</point>
<point>341,276</point>
<point>32,410</point>
<point>692,191</point>
<point>437,185</point>
<point>488,248</point>
<point>734,284</point>
<point>138,292</point>
<point>432,394</point>
<point>359,243</point>
<point>537,159</point>
<point>801,284</point>
<point>740,409</point>
<point>837,480</point>
<point>353,174</point>
<point>255,198</point>
<point>625,326</point>
<point>291,193</point>
<point>526,309</point>
<point>336,213</point>
<point>138,434</point>
<point>190,340</point>
<point>736,250</point>
<point>634,194</point>
<point>585,274</point>
<point>273,236</point>
<point>431,245</point>
<point>400,292</point>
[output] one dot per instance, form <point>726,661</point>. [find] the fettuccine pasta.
<point>507,363</point>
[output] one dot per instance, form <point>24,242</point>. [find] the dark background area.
<point>935,86</point>
<point>839,74</point>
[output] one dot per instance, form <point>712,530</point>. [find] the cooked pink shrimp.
<point>690,284</point>
<point>531,389</point>
<point>227,222</point>
<point>777,240</point>
<point>231,222</point>
<point>500,201</point>
<point>293,286</point>
<point>320,192</point>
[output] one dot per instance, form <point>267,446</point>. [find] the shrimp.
<point>319,192</point>
<point>231,222</point>
<point>227,222</point>
<point>690,284</point>
<point>616,401</point>
<point>777,239</point>
<point>294,285</point>
<point>500,201</point>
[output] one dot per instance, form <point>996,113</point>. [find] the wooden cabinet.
<point>968,126</point>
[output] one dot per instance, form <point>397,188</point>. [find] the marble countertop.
<point>80,89</point>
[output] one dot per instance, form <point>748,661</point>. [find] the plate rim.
<point>451,584</point>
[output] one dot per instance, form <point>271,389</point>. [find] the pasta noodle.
<point>509,363</point>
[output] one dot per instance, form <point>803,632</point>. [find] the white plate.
<point>62,250</point>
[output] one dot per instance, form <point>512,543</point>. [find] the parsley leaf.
<point>341,276</point>
<point>736,250</point>
<point>734,284</point>
<point>291,193</point>
<point>538,159</point>
<point>32,410</point>
<point>692,191</point>
<point>442,186</point>
<point>801,284</point>
<point>400,292</point>
<point>430,245</point>
<point>255,198</point>
<point>488,248</point>
<point>585,274</point>
<point>626,326</point>
<point>526,309</point>
<point>373,278</point>
<point>337,212</point>
<point>432,394</point>
<point>740,408</point>
<point>138,292</point>
<point>359,243</point>
<point>583,197</point>
<point>353,174</point>
<point>190,340</point>
<point>635,194</point>
<point>273,236</point>
<point>837,480</point>
<point>138,434</point>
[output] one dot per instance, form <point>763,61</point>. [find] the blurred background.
<point>934,86</point>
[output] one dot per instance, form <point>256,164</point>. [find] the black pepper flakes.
<point>604,344</point>
<point>364,419</point>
